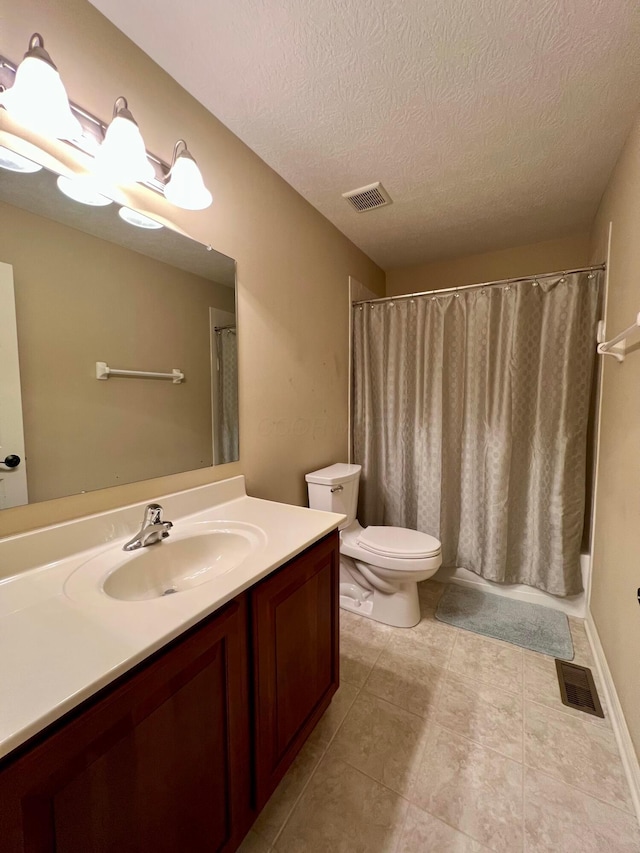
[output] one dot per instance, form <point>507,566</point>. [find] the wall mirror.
<point>85,289</point>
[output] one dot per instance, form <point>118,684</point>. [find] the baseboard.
<point>574,605</point>
<point>618,722</point>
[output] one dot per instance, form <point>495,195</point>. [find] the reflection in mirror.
<point>85,285</point>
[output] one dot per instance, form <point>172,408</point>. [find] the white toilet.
<point>380,567</point>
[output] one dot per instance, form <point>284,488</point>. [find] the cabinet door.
<point>295,652</point>
<point>160,763</point>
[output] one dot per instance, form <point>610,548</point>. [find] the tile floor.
<point>441,740</point>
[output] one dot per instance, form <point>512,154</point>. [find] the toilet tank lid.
<point>334,474</point>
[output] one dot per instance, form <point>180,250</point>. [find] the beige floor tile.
<point>473,789</point>
<point>423,833</point>
<point>253,844</point>
<point>382,740</point>
<point>279,806</point>
<point>577,753</point>
<point>484,714</point>
<point>560,819</point>
<point>375,633</point>
<point>356,660</point>
<point>361,641</point>
<point>406,680</point>
<point>343,811</point>
<point>334,715</point>
<point>440,720</point>
<point>490,661</point>
<point>429,639</point>
<point>582,650</point>
<point>541,685</point>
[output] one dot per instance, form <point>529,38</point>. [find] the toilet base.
<point>401,609</point>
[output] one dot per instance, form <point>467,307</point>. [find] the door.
<point>295,657</point>
<point>13,480</point>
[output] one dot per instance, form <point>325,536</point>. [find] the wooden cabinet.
<point>176,755</point>
<point>159,764</point>
<point>295,657</point>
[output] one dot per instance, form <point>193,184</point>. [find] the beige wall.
<point>293,266</point>
<point>563,253</point>
<point>616,551</point>
<point>79,300</point>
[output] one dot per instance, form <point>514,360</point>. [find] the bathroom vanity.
<point>179,746</point>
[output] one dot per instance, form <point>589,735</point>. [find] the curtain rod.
<point>481,284</point>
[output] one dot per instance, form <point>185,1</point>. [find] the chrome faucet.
<point>153,529</point>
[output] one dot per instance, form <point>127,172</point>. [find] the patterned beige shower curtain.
<point>226,413</point>
<point>470,422</point>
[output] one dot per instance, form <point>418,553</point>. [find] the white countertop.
<point>56,652</point>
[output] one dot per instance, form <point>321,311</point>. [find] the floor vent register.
<point>578,689</point>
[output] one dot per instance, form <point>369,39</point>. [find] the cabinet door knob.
<point>11,461</point>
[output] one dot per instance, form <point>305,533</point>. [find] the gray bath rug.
<point>531,626</point>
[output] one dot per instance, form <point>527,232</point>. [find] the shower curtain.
<point>470,422</point>
<point>226,415</point>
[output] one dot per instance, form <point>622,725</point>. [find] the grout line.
<point>483,684</point>
<point>297,799</point>
<point>411,802</point>
<point>592,722</point>
<point>325,749</point>
<point>477,743</point>
<point>393,704</point>
<point>343,720</point>
<point>576,787</point>
<point>524,772</point>
<point>429,722</point>
<point>580,790</point>
<point>483,844</point>
<point>432,724</point>
<point>404,823</point>
<point>370,692</point>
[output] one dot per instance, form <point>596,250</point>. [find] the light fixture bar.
<point>93,130</point>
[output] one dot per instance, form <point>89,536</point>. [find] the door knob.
<point>11,461</point>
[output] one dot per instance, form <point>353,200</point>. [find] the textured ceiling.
<point>491,123</point>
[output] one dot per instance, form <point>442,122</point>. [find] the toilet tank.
<point>335,489</point>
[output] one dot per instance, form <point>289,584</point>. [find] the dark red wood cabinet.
<point>180,754</point>
<point>295,658</point>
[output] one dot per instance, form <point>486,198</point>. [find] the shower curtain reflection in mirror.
<point>225,395</point>
<point>470,423</point>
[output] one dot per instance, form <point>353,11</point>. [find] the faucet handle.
<point>153,514</point>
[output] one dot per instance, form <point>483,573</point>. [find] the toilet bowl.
<point>380,567</point>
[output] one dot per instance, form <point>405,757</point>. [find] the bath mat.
<point>531,626</point>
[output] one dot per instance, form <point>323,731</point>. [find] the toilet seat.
<point>398,542</point>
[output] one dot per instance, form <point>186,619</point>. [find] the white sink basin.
<point>191,556</point>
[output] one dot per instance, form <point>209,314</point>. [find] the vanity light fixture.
<point>134,217</point>
<point>33,92</point>
<point>16,162</point>
<point>82,190</point>
<point>185,187</point>
<point>122,157</point>
<point>38,98</point>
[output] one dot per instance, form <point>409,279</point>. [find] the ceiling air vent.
<point>367,198</point>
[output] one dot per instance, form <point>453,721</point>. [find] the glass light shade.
<point>134,217</point>
<point>122,157</point>
<point>39,101</point>
<point>16,162</point>
<point>185,187</point>
<point>82,190</point>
